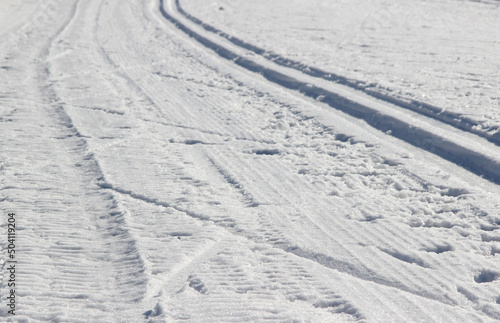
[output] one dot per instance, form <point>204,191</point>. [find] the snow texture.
<point>216,161</point>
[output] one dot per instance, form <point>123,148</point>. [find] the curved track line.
<point>426,138</point>
<point>454,119</point>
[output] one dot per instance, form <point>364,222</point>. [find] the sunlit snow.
<point>250,161</point>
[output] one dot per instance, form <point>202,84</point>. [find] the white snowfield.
<point>195,161</point>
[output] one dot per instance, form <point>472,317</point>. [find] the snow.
<point>443,52</point>
<point>155,180</point>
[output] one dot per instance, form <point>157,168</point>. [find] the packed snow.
<point>165,163</point>
<point>439,52</point>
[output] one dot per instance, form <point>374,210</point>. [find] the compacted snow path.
<point>153,180</point>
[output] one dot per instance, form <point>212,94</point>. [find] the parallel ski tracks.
<point>454,119</point>
<point>481,161</point>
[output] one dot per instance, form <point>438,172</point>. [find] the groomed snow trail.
<point>155,181</point>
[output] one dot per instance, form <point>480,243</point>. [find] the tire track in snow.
<point>425,137</point>
<point>127,262</point>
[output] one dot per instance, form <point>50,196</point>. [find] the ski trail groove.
<point>454,119</point>
<point>471,159</point>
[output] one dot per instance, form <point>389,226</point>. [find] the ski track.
<point>451,118</point>
<point>399,126</point>
<point>352,38</point>
<point>188,189</point>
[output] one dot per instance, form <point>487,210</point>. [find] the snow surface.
<point>440,52</point>
<point>155,180</point>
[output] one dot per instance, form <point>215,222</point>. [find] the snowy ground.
<point>439,52</point>
<point>153,179</point>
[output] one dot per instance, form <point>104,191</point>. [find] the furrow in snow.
<point>125,261</point>
<point>457,120</point>
<point>421,133</point>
